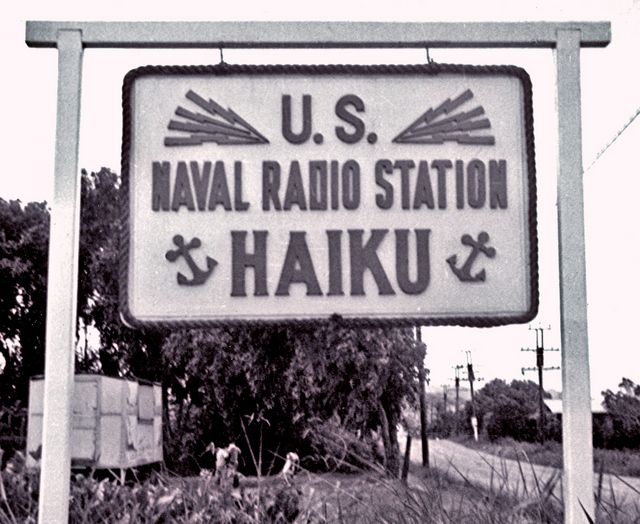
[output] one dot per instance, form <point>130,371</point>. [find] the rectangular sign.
<point>392,194</point>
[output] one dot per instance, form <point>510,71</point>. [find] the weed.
<point>368,496</point>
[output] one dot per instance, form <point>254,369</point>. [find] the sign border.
<point>430,69</point>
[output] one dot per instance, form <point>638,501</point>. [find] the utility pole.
<point>444,397</point>
<point>471,377</point>
<point>540,349</point>
<point>457,383</point>
<point>423,401</point>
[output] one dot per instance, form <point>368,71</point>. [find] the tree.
<point>24,236</point>
<point>120,352</point>
<point>368,374</point>
<point>279,387</point>
<point>24,239</point>
<point>508,410</point>
<point>623,408</point>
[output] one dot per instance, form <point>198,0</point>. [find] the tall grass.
<point>369,496</point>
<point>613,461</point>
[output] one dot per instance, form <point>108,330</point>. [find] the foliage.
<point>509,410</point>
<point>161,498</point>
<point>449,424</point>
<point>120,352</point>
<point>623,408</point>
<point>24,235</point>
<point>274,388</point>
<point>430,496</point>
<point>334,448</point>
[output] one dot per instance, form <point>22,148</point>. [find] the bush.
<point>510,419</point>
<point>511,410</point>
<point>334,448</point>
<point>331,498</point>
<point>270,388</point>
<point>623,407</point>
<point>161,498</point>
<point>449,424</point>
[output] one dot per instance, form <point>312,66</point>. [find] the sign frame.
<point>563,39</point>
<point>430,69</point>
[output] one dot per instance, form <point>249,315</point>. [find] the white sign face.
<point>402,194</point>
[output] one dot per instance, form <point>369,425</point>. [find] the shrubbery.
<point>278,390</point>
<point>161,498</point>
<point>508,410</point>
<point>363,498</point>
<point>621,428</point>
<point>449,424</point>
<point>511,411</point>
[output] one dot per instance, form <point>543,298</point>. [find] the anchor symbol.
<point>477,247</point>
<point>199,275</point>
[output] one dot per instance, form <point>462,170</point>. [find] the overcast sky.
<point>610,81</point>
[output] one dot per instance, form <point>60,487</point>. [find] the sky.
<point>610,98</point>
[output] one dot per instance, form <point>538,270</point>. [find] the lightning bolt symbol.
<point>214,108</point>
<point>446,107</point>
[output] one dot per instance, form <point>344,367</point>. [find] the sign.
<point>398,194</point>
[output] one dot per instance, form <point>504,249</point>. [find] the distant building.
<point>555,406</point>
<point>602,423</point>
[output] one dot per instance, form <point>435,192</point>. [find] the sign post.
<point>577,445</point>
<point>565,38</point>
<point>53,505</point>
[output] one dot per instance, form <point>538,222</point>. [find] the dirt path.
<point>520,479</point>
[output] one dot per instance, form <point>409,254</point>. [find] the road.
<point>518,478</point>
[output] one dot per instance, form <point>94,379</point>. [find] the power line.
<point>610,143</point>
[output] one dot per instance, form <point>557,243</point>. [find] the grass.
<point>342,498</point>
<point>429,496</point>
<point>615,462</point>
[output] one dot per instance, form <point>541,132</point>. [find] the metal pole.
<point>62,287</point>
<point>423,406</point>
<point>576,402</point>
<point>471,378</point>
